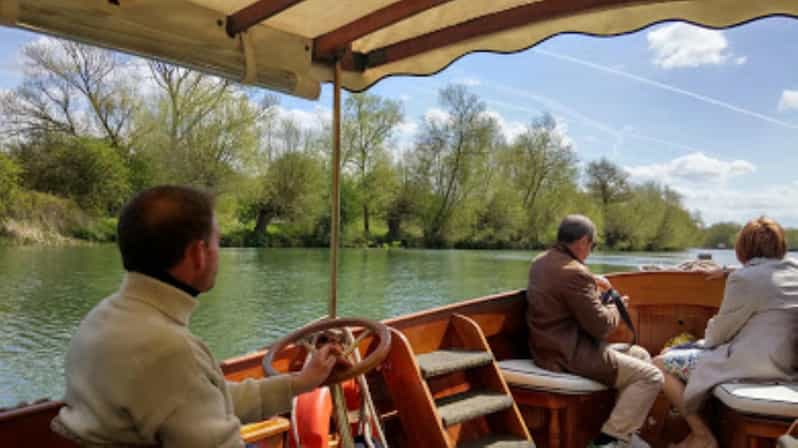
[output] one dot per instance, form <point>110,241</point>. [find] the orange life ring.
<point>313,412</point>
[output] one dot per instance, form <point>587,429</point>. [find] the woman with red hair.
<point>754,336</point>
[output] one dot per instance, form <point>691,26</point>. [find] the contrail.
<point>555,105</point>
<point>666,87</point>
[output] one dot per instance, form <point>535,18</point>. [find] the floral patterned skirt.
<point>681,361</point>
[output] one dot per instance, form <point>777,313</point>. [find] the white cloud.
<point>436,116</point>
<point>406,133</point>
<point>561,130</point>
<point>311,120</point>
<point>509,129</point>
<point>404,98</point>
<point>789,100</point>
<point>469,81</point>
<point>684,45</point>
<point>711,186</point>
<point>729,204</point>
<point>691,170</point>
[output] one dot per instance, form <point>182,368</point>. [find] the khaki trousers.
<point>638,384</point>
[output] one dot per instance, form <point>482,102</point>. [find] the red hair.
<point>762,237</point>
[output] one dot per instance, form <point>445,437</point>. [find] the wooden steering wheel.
<point>325,329</point>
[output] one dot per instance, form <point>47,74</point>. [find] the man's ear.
<point>195,252</point>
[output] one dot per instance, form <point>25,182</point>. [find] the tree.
<point>9,182</point>
<point>402,202</point>
<point>542,168</point>
<point>651,218</point>
<point>87,170</point>
<point>72,89</point>
<point>721,235</point>
<point>450,153</point>
<point>205,130</point>
<point>369,122</point>
<point>607,181</point>
<point>289,187</point>
<point>292,184</point>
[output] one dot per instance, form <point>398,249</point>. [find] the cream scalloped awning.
<point>290,45</point>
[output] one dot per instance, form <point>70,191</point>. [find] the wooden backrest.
<point>665,304</point>
<point>501,318</point>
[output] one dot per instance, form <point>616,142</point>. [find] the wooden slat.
<point>271,432</point>
<point>669,288</point>
<point>326,46</point>
<point>489,24</point>
<point>255,13</point>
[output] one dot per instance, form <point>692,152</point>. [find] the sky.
<point>712,114</point>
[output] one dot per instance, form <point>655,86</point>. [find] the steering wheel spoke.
<point>331,331</point>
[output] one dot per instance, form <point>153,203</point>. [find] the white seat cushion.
<point>524,373</point>
<point>777,400</point>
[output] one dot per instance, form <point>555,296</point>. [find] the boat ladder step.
<point>442,362</point>
<point>499,442</point>
<point>464,406</point>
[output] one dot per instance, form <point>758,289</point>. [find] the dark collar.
<point>170,280</point>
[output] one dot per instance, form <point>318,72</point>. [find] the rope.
<point>341,416</point>
<point>369,411</point>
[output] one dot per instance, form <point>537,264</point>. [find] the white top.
<point>136,375</point>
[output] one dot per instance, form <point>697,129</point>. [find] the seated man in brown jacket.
<point>568,327</point>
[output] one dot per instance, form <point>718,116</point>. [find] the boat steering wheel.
<point>329,330</point>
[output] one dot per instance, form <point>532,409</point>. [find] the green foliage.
<point>86,170</point>
<point>451,157</point>
<point>607,182</point>
<point>721,235</point>
<point>42,212</point>
<point>10,173</point>
<point>369,123</point>
<point>792,238</point>
<point>84,137</point>
<point>102,230</point>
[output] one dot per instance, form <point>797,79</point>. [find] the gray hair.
<point>574,227</point>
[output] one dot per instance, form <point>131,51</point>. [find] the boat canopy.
<point>292,46</point>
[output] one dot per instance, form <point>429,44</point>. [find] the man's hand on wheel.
<point>318,369</point>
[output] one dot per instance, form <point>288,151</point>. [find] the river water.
<point>260,294</point>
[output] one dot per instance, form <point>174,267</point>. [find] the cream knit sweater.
<point>135,375</point>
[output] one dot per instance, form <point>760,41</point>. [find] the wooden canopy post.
<point>335,214</point>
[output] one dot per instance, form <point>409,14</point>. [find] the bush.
<point>48,211</point>
<point>40,218</point>
<point>87,170</point>
<point>101,230</point>
<point>9,182</point>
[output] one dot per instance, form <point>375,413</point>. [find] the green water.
<point>260,294</point>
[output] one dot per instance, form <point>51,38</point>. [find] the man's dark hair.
<point>574,227</point>
<point>157,225</point>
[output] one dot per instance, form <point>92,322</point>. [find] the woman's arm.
<point>739,304</point>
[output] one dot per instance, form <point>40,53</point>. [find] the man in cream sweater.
<point>135,375</point>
